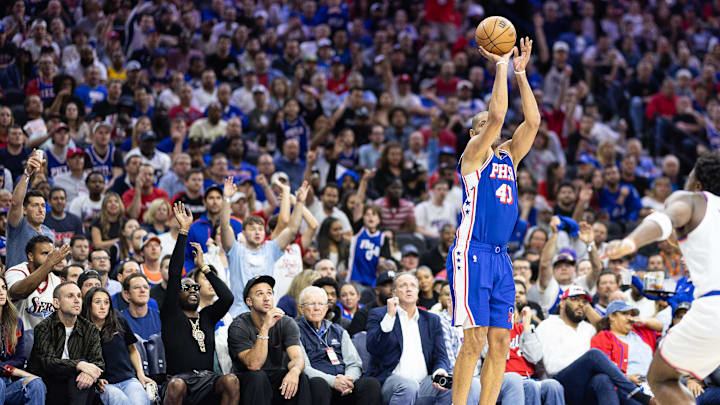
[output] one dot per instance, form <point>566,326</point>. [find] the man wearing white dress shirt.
<point>407,348</point>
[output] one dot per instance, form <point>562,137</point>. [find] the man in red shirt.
<point>138,199</point>
<point>446,83</point>
<point>185,110</point>
<point>661,109</point>
<point>337,82</point>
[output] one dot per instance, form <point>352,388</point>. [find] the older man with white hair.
<point>331,361</point>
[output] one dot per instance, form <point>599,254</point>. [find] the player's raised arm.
<point>656,226</point>
<point>487,127</point>
<point>524,135</point>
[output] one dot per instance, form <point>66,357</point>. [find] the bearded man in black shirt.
<point>188,335</point>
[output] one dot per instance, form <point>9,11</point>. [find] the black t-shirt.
<point>195,205</point>
<point>157,292</point>
<point>435,260</point>
<point>557,210</point>
<point>64,228</point>
<point>639,89</point>
<point>242,335</point>
<point>641,184</point>
<point>114,231</point>
<point>115,352</point>
<point>104,108</point>
<point>7,53</point>
<point>218,64</point>
<point>428,303</point>
<point>14,163</point>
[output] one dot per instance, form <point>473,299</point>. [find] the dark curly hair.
<point>707,171</point>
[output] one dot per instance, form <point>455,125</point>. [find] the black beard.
<point>572,317</point>
<point>86,63</point>
<point>186,306</point>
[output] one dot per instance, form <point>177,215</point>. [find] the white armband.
<point>663,221</point>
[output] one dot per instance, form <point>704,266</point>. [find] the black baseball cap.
<point>385,277</point>
<point>257,280</point>
<point>213,187</point>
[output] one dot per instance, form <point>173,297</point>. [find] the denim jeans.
<point>711,396</point>
<point>125,392</point>
<point>399,390</point>
<point>592,377</point>
<point>15,393</point>
<point>511,390</point>
<point>545,392</point>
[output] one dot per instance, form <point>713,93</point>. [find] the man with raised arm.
<point>255,256</point>
<point>478,266</point>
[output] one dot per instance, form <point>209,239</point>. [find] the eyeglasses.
<point>188,287</point>
<point>315,304</point>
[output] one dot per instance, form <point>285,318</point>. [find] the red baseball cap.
<point>574,291</point>
<point>74,152</point>
<point>404,78</point>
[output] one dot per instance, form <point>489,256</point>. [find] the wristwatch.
<point>227,200</point>
<point>590,246</point>
<point>263,337</point>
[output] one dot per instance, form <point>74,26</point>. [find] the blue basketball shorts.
<point>481,285</point>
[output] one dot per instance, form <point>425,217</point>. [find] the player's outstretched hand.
<point>496,58</point>
<point>520,61</point>
<point>618,248</point>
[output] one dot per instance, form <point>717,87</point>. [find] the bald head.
<point>479,122</point>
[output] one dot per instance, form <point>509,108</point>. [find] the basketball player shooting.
<point>694,215</point>
<point>479,268</point>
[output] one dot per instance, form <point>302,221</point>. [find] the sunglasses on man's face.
<point>188,287</point>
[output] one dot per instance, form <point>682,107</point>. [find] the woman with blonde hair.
<point>605,153</point>
<point>288,302</point>
<point>141,125</point>
<point>157,216</point>
<point>13,355</point>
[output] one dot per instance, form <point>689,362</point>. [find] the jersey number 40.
<point>504,193</point>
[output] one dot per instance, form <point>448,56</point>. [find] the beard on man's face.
<point>185,305</point>
<point>572,316</point>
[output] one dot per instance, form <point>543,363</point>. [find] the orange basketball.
<point>496,34</point>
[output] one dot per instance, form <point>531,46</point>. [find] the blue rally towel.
<point>568,224</point>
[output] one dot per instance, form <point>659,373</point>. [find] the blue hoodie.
<point>199,232</point>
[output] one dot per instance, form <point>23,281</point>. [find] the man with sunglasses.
<point>188,334</point>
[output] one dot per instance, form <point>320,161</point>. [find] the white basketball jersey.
<point>701,249</point>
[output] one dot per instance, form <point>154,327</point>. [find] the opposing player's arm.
<point>656,226</point>
<point>524,135</point>
<point>547,255</point>
<point>478,148</point>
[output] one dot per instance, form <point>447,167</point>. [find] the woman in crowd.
<point>279,93</point>
<point>156,218</point>
<point>606,153</point>
<point>106,230</point>
<point>381,115</point>
<point>555,174</point>
<point>332,245</point>
<point>6,120</point>
<point>125,247</point>
<point>18,386</point>
<point>142,124</point>
<point>349,300</point>
<point>660,190</point>
<point>628,341</point>
<point>288,302</point>
<point>74,116</point>
<point>427,296</point>
<point>123,380</point>
<point>391,167</point>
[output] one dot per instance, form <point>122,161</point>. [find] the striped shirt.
<point>394,217</point>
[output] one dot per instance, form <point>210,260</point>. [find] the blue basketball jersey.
<point>297,130</point>
<point>55,167</point>
<point>364,256</point>
<point>490,207</point>
<point>104,165</point>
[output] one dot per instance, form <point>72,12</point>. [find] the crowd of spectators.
<point>253,202</point>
